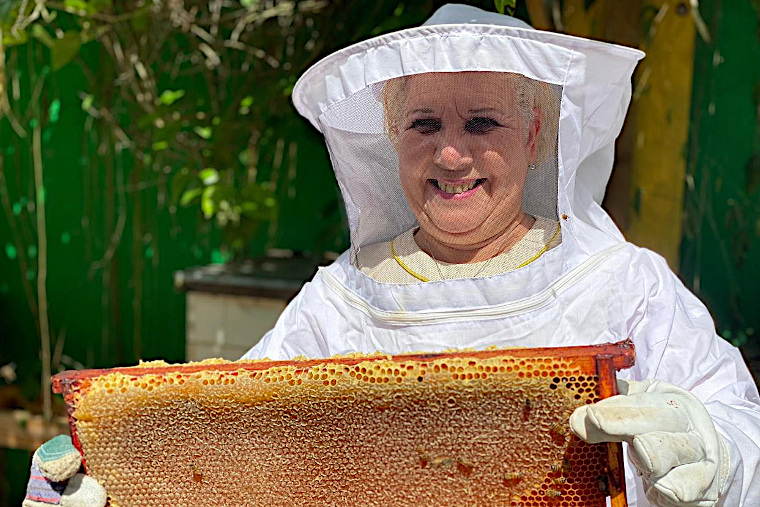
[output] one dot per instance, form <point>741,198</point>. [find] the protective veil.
<point>563,101</point>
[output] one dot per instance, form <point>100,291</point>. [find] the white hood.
<point>595,79</point>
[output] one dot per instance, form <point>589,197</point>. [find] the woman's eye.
<point>480,125</point>
<point>426,125</point>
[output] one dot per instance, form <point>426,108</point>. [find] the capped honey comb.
<point>451,429</point>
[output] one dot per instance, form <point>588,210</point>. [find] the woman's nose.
<point>453,157</point>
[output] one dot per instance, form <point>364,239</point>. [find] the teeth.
<point>456,189</point>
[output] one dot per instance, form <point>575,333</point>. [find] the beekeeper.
<point>472,154</point>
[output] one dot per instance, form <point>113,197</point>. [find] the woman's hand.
<point>54,479</point>
<point>672,441</point>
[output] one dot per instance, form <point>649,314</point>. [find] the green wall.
<point>720,254</point>
<point>119,311</point>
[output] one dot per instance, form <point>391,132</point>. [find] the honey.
<point>452,429</point>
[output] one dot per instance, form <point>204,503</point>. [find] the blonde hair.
<point>531,95</point>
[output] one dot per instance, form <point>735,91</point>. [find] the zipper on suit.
<point>492,312</point>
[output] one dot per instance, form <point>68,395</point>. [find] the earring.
<point>532,167</point>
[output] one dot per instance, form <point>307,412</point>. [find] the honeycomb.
<point>452,429</point>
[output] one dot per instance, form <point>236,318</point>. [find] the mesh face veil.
<point>460,143</point>
<point>476,157</point>
<point>469,157</point>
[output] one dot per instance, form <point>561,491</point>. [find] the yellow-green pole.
<point>661,99</point>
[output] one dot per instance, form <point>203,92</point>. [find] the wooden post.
<point>661,100</point>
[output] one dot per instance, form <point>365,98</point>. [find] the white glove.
<point>671,440</point>
<point>54,480</point>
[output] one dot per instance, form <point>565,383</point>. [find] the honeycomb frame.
<point>467,427</point>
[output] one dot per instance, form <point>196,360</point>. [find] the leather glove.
<point>671,438</point>
<point>54,479</point>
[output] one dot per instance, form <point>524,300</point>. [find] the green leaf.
<point>219,257</point>
<point>209,176</point>
<point>245,105</point>
<point>169,97</point>
<point>160,145</point>
<point>9,39</point>
<point>87,102</point>
<point>244,157</point>
<point>41,35</point>
<point>190,196</point>
<point>64,50</point>
<point>10,251</point>
<point>208,203</point>
<point>88,6</point>
<point>249,3</point>
<point>77,5</point>
<point>249,207</point>
<point>204,132</point>
<point>505,6</point>
<point>179,183</point>
<point>55,110</point>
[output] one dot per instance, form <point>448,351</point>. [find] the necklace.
<point>423,278</point>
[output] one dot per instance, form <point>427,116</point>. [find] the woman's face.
<point>464,151</point>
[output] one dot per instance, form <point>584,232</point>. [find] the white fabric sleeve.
<point>297,331</point>
<point>687,352</point>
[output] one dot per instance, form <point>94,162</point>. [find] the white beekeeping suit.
<point>569,278</point>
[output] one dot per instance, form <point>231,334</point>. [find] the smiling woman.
<point>466,143</point>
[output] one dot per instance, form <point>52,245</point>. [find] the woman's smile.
<point>456,189</point>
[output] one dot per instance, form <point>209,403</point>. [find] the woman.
<point>472,158</point>
<point>463,175</point>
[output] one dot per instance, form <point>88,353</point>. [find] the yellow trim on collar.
<point>406,268</point>
<point>543,250</point>
<point>425,279</point>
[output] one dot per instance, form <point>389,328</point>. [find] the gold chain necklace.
<point>423,278</point>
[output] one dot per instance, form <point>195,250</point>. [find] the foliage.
<point>505,6</point>
<point>191,89</point>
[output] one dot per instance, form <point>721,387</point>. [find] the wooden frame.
<point>293,386</point>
